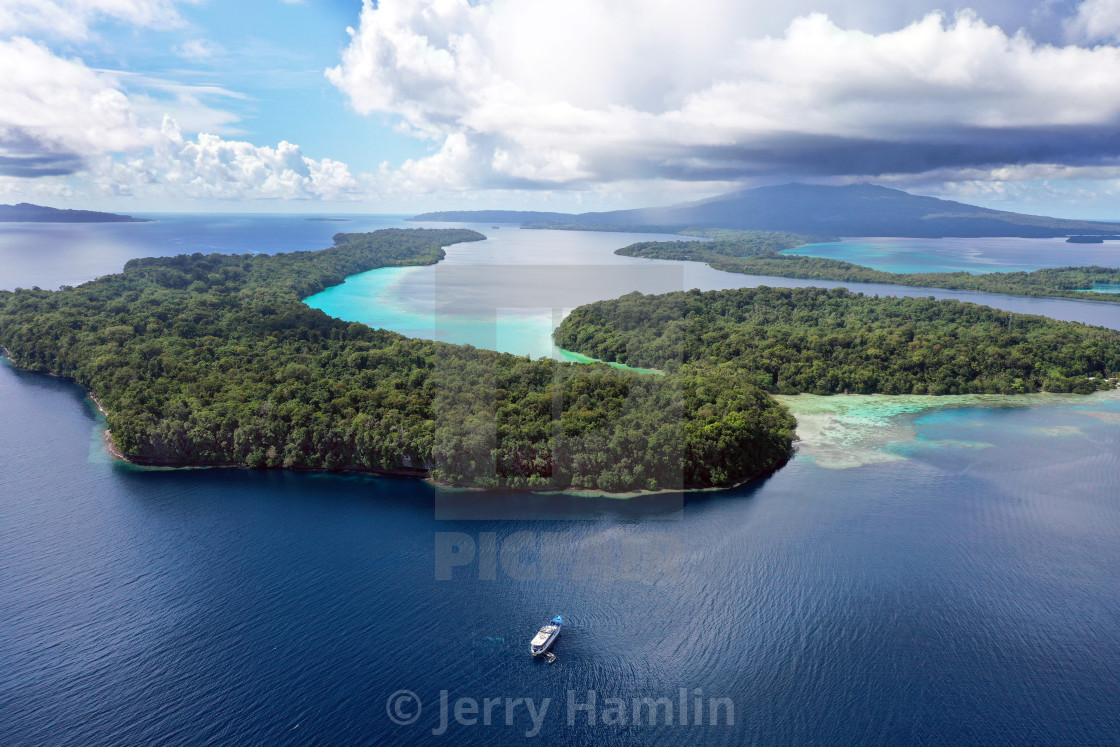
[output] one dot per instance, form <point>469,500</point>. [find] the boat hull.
<point>544,647</point>
<point>551,632</point>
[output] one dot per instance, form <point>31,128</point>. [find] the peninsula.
<point>213,360</point>
<point>819,341</point>
<point>759,253</point>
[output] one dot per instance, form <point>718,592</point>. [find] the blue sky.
<point>340,105</point>
<point>274,54</point>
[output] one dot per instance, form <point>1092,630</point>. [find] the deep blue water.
<point>964,595</point>
<point>961,590</point>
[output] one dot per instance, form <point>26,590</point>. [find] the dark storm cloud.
<point>820,155</point>
<point>37,166</point>
<point>24,155</point>
<point>808,156</point>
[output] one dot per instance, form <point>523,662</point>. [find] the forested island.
<point>758,253</point>
<point>25,212</point>
<point>214,360</point>
<point>1091,239</point>
<point>794,340</point>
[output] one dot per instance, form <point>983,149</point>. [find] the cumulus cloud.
<point>13,189</point>
<point>1084,192</point>
<point>59,118</point>
<point>210,167</point>
<point>56,113</point>
<point>72,18</point>
<point>532,92</point>
<point>1097,19</point>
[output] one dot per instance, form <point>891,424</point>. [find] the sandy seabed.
<point>843,431</point>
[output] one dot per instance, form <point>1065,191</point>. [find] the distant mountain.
<point>853,210</point>
<point>25,212</point>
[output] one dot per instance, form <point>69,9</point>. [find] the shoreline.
<point>405,472</point>
<point>106,434</point>
<point>808,443</point>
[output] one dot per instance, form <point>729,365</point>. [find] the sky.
<point>402,106</point>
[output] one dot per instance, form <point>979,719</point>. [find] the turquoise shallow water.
<point>1106,287</point>
<point>849,431</point>
<point>518,331</point>
<point>507,293</point>
<point>972,255</point>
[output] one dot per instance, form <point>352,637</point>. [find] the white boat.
<point>546,636</point>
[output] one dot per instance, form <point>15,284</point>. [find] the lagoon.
<point>509,292</point>
<point>977,255</point>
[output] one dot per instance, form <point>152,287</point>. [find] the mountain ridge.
<point>849,210</point>
<point>26,212</point>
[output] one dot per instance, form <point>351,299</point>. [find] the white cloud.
<point>209,167</point>
<point>16,190</point>
<point>60,118</point>
<point>72,18</point>
<point>961,73</point>
<point>54,107</point>
<point>583,92</point>
<point>57,113</point>
<point>1087,193</point>
<point>446,169</point>
<point>198,50</point>
<point>1096,19</point>
<point>154,97</point>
